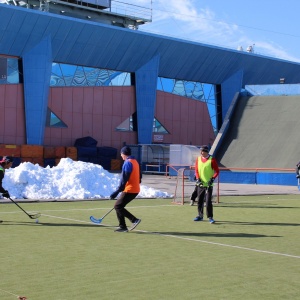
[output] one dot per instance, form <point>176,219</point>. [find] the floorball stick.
<point>98,221</point>
<point>31,216</point>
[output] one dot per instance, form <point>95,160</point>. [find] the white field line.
<point>223,245</point>
<point>257,201</point>
<point>152,206</point>
<point>91,209</point>
<point>67,219</point>
<point>163,205</point>
<point>186,239</point>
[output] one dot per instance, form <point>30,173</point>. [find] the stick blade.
<point>35,216</point>
<point>94,220</point>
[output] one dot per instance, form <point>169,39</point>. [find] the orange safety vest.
<point>133,184</point>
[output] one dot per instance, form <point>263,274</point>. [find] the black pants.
<point>194,194</point>
<point>204,195</point>
<point>121,211</point>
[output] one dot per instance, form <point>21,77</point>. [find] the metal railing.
<point>131,10</point>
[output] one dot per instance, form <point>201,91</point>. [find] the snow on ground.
<point>68,180</point>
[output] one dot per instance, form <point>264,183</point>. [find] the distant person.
<point>194,195</point>
<point>5,163</point>
<point>206,171</point>
<point>129,187</point>
<point>298,170</point>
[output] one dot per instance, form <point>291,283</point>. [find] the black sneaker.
<point>120,229</point>
<point>135,223</point>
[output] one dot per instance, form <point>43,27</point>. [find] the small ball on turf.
<point>36,220</point>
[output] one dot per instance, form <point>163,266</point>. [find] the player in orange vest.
<point>129,187</point>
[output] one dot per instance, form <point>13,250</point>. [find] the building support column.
<point>229,88</point>
<point>37,66</point>
<point>146,86</point>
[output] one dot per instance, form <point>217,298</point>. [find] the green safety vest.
<point>205,170</point>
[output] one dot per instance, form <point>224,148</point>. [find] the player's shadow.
<point>258,223</point>
<point>211,234</point>
<point>268,206</point>
<point>32,223</point>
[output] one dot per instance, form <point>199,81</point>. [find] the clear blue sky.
<point>272,26</point>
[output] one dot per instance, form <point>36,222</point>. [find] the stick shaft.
<point>108,213</point>
<point>20,207</point>
<point>31,216</point>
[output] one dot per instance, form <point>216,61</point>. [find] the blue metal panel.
<point>146,81</point>
<point>258,178</point>
<point>40,26</point>
<point>37,71</point>
<point>93,44</point>
<point>229,88</point>
<point>277,178</point>
<point>237,177</point>
<point>51,26</point>
<point>29,23</point>
<point>4,17</point>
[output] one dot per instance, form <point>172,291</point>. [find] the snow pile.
<point>68,180</point>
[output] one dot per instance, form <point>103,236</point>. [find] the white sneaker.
<point>192,202</point>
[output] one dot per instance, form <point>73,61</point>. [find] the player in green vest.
<point>206,171</point>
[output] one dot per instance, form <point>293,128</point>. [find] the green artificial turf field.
<point>251,252</point>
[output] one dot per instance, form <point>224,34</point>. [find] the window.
<point>9,70</point>
<point>130,124</point>
<point>71,75</point>
<point>52,120</point>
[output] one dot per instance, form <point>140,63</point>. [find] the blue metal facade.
<point>229,88</point>
<point>40,38</point>
<point>146,83</point>
<point>37,64</point>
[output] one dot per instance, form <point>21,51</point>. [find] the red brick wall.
<point>12,114</point>
<point>91,111</point>
<point>187,120</point>
<point>97,111</point>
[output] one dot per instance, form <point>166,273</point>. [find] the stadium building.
<point>73,69</point>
